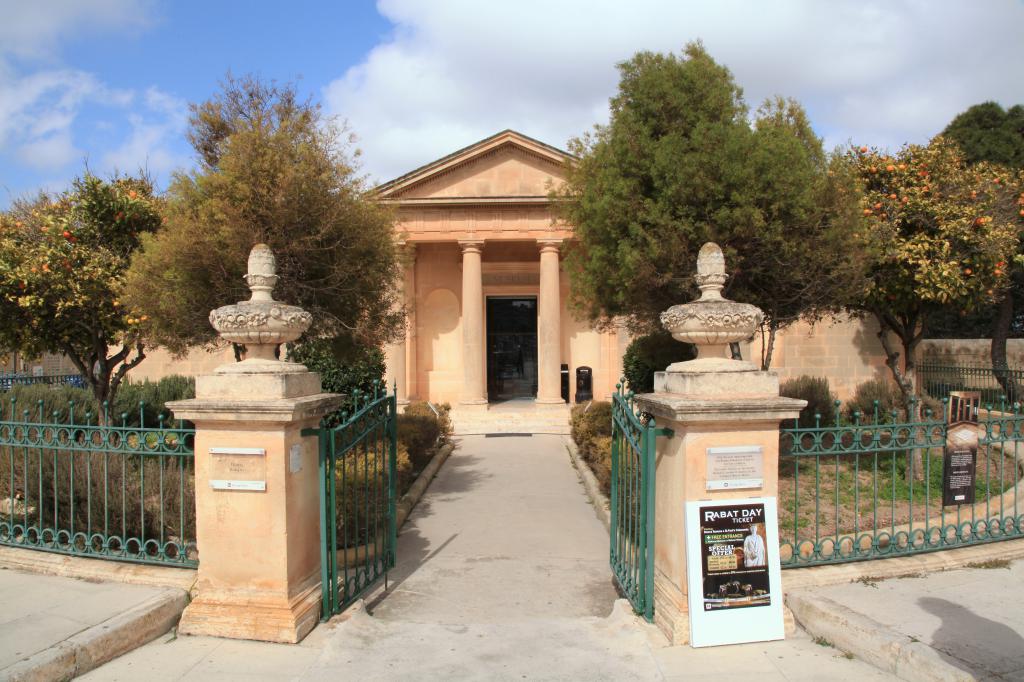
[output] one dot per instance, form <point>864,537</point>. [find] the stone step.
<point>504,419</point>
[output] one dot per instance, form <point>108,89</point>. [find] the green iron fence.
<point>357,512</point>
<point>873,488</point>
<point>72,484</point>
<point>632,502</point>
<point>938,380</point>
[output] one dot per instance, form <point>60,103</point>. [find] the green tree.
<point>985,132</point>
<point>940,235</point>
<point>271,169</point>
<point>678,165</point>
<point>63,261</point>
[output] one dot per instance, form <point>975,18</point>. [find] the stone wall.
<point>160,363</point>
<point>968,351</point>
<point>844,350</point>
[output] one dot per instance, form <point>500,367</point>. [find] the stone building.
<point>484,281</point>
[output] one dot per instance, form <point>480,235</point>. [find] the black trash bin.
<point>565,383</point>
<point>584,384</point>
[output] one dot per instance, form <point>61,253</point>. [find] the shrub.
<point>601,462</point>
<point>652,353</point>
<point>885,392</point>
<point>591,428</point>
<point>418,434</point>
<point>403,466</point>
<point>443,417</point>
<point>820,399</point>
<point>589,421</point>
<point>154,395</point>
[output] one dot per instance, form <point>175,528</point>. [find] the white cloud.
<point>149,145</point>
<point>44,108</point>
<point>50,151</point>
<point>34,28</point>
<point>878,72</point>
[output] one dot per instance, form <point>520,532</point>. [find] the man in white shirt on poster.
<point>753,549</point>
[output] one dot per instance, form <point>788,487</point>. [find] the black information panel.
<point>958,472</point>
<point>734,557</point>
<point>959,464</point>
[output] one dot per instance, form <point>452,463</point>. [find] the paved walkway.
<point>971,618</point>
<point>57,626</point>
<point>502,574</point>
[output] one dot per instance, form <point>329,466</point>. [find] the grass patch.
<point>821,641</point>
<point>990,563</point>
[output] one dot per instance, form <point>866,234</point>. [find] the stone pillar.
<point>256,477</point>
<point>549,326</point>
<point>708,402</point>
<point>473,388</point>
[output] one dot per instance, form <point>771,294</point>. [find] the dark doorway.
<point>511,348</point>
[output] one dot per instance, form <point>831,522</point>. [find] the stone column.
<point>473,388</point>
<point>410,324</point>
<point>708,402</point>
<point>256,477</point>
<point>396,355</point>
<point>549,325</point>
<point>395,364</point>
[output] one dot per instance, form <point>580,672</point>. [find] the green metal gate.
<point>357,499</point>
<point>632,502</point>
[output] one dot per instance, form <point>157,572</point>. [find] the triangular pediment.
<point>506,165</point>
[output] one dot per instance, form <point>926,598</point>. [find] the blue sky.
<point>107,82</point>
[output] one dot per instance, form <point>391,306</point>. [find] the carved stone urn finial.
<point>261,324</point>
<point>711,322</point>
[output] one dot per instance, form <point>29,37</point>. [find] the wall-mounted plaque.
<point>733,574</point>
<point>238,469</point>
<point>959,464</point>
<point>735,468</point>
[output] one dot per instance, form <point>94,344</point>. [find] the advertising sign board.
<point>733,574</point>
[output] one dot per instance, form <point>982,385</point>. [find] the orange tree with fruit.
<point>940,233</point>
<point>62,265</point>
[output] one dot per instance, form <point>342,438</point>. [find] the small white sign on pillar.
<point>734,580</point>
<point>735,468</point>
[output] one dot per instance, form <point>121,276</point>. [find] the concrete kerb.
<point>598,500</point>
<point>103,642</point>
<point>96,569</point>
<point>419,486</point>
<point>871,641</point>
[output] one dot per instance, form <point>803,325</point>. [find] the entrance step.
<point>510,417</point>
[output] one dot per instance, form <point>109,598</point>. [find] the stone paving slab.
<point>505,532</point>
<point>969,620</point>
<point>53,627</point>
<point>361,647</point>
